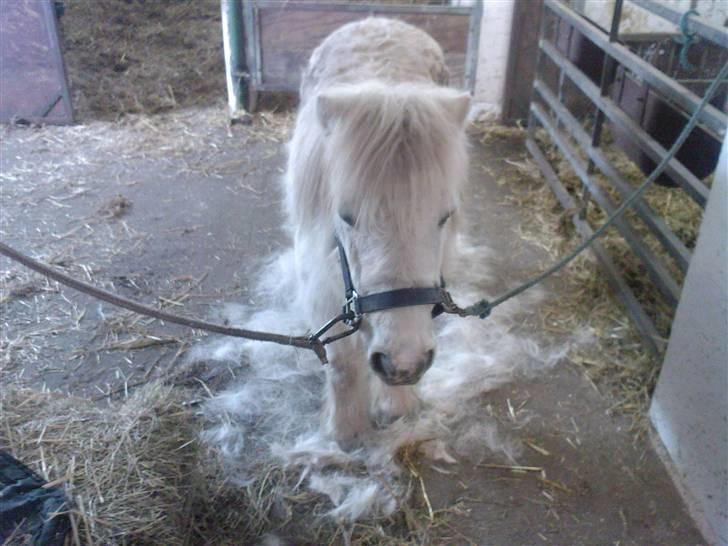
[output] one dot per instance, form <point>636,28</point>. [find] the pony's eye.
<point>444,219</point>
<point>348,218</point>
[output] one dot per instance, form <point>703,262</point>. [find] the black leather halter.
<point>357,305</point>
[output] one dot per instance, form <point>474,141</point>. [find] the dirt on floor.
<point>137,56</point>
<point>180,210</point>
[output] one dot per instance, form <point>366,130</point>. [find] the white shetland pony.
<point>378,160</point>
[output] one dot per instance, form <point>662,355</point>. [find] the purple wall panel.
<point>33,84</point>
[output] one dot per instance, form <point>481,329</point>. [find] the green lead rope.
<point>686,40</point>
<point>484,307</point>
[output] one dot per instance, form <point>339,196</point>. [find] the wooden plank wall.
<point>288,36</point>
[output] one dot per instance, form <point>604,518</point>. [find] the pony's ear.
<point>458,106</point>
<point>330,107</point>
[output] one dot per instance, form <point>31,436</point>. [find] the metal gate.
<point>268,42</point>
<point>618,92</point>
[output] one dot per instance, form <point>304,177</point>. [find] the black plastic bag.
<point>28,510</point>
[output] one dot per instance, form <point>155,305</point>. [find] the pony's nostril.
<point>381,363</point>
<point>430,356</point>
<point>426,362</point>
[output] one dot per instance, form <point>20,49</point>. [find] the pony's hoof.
<point>383,419</point>
<point>394,404</point>
<point>350,441</point>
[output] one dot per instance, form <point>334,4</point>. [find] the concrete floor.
<point>204,212</point>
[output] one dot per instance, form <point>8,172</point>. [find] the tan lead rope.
<point>302,342</point>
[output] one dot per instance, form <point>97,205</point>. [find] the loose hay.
<point>129,469</point>
<point>135,473</point>
<point>617,361</point>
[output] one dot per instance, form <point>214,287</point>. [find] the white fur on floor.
<point>272,411</point>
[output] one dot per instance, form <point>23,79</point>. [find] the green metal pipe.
<point>236,70</point>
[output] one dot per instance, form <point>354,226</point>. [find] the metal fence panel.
<point>598,86</point>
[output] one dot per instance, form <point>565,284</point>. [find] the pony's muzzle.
<point>402,372</point>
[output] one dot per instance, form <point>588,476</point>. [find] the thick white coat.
<point>378,140</point>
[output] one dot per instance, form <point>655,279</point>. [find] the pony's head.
<point>396,160</point>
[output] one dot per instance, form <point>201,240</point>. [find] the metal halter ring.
<point>351,310</point>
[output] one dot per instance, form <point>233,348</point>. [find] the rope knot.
<point>686,40</point>
<point>317,347</point>
<point>480,309</point>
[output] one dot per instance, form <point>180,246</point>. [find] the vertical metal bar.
<point>562,75</point>
<point>531,123</point>
<point>251,45</point>
<point>608,71</point>
<point>670,70</point>
<point>258,45</point>
<point>472,45</point>
<point>233,40</point>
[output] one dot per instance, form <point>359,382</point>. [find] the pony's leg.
<point>391,403</point>
<point>345,416</point>
<point>346,404</point>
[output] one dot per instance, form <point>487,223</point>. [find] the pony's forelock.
<point>394,150</point>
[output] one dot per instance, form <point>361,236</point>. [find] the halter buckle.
<point>350,311</point>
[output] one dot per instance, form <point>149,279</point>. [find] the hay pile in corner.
<point>135,473</point>
<point>137,56</point>
<point>130,468</point>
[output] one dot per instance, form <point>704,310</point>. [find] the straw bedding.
<point>130,468</point>
<point>135,473</point>
<point>618,362</point>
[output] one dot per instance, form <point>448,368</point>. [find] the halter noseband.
<point>390,299</point>
<point>356,306</point>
